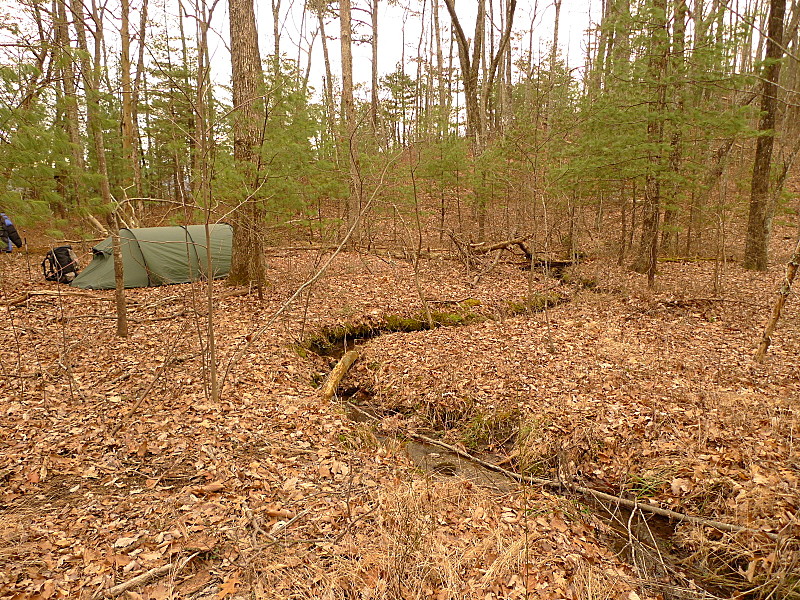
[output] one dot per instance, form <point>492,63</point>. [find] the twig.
<point>783,294</point>
<point>176,315</point>
<point>451,301</point>
<point>256,335</point>
<point>283,527</point>
<point>549,483</point>
<point>350,525</point>
<point>290,522</point>
<point>168,362</point>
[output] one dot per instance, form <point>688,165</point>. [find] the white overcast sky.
<point>576,16</point>
<point>396,17</point>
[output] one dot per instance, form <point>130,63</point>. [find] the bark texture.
<point>759,222</point>
<point>247,79</point>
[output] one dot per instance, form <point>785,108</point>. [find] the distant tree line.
<point>682,123</point>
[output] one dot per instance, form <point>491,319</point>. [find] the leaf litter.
<point>277,494</point>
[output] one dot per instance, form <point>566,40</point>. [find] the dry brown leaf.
<point>194,583</point>
<point>228,587</point>
<point>211,488</point>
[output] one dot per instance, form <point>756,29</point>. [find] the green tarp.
<point>159,256</point>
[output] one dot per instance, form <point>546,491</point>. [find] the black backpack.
<point>60,264</point>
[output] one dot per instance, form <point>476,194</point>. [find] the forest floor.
<point>116,463</point>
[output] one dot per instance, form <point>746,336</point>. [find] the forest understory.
<point>116,464</point>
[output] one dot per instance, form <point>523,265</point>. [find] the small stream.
<point>643,540</point>
<point>646,541</point>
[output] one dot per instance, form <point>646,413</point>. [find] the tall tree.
<point>247,79</point>
<point>442,98</point>
<point>658,52</point>
<point>72,120</point>
<point>130,147</point>
<point>276,34</point>
<point>470,67</point>
<point>90,71</point>
<point>373,101</point>
<point>552,61</point>
<point>350,125</point>
<point>319,7</point>
<point>759,222</point>
<point>477,97</point>
<point>677,64</point>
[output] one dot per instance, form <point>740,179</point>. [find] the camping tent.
<point>158,256</point>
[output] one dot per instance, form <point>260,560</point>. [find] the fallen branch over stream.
<point>561,485</point>
<point>339,371</point>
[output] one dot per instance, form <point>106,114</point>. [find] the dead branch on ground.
<point>144,578</point>
<point>558,485</point>
<point>339,371</point>
<point>783,294</point>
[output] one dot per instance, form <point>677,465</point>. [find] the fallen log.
<point>329,387</point>
<point>482,248</point>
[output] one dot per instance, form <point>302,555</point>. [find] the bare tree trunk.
<point>119,284</point>
<point>247,78</point>
<point>129,148</point>
<point>72,121</point>
<point>137,82</point>
<point>469,69</point>
<point>276,33</point>
<point>443,117</point>
<point>90,83</point>
<point>319,7</point>
<point>605,45</point>
<point>350,124</point>
<point>759,224</point>
<point>477,106</point>
<point>419,92</point>
<point>373,104</point>
<point>551,67</point>
<point>201,184</point>
<point>669,236</point>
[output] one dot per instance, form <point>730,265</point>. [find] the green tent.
<point>154,256</point>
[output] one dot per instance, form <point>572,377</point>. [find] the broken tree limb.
<point>31,293</point>
<point>146,578</point>
<point>561,485</point>
<point>97,225</point>
<point>504,245</point>
<point>783,294</point>
<point>339,371</point>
